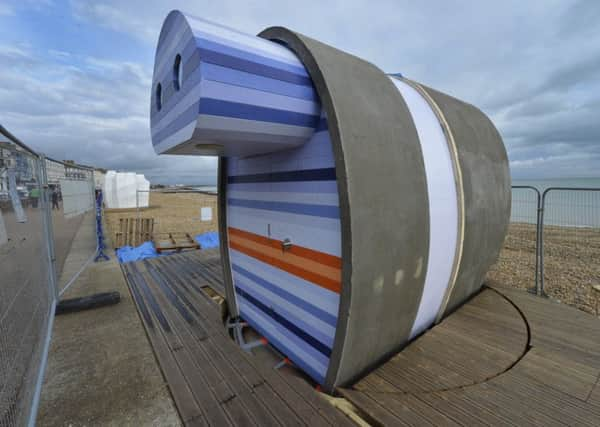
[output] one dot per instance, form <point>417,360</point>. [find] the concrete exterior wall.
<point>383,205</point>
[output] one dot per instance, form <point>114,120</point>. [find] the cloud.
<point>93,110</point>
<point>6,10</point>
<point>533,67</point>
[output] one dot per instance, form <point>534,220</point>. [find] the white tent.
<point>123,190</point>
<point>143,191</point>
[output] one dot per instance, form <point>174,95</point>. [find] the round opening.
<point>158,97</point>
<point>177,73</point>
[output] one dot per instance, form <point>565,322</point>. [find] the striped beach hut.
<point>357,209</point>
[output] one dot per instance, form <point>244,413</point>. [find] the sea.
<point>571,202</point>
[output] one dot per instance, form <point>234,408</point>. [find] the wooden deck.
<point>503,358</point>
<point>212,381</point>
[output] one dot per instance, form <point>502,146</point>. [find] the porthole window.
<point>177,73</point>
<point>158,97</point>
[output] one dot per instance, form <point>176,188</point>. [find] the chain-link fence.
<point>570,245</point>
<point>43,208</point>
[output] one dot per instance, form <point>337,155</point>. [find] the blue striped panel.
<point>290,187</point>
<point>217,107</point>
<point>321,298</point>
<point>305,327</point>
<point>245,79</point>
<point>248,59</point>
<point>312,198</point>
<point>285,322</point>
<point>318,233</point>
<point>294,299</point>
<point>296,208</point>
<point>324,174</point>
<point>212,53</point>
<point>298,352</point>
<point>263,198</point>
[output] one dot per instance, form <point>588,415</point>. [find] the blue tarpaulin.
<point>208,240</point>
<point>143,251</point>
<point>147,249</point>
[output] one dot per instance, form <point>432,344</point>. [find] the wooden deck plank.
<point>213,375</point>
<point>188,408</point>
<point>241,394</point>
<point>529,362</point>
<point>209,388</point>
<point>483,365</point>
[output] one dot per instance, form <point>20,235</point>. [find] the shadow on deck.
<point>504,357</point>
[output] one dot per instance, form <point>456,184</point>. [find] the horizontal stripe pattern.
<point>302,262</point>
<point>241,79</point>
<point>290,296</point>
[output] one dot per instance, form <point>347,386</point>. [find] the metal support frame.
<point>237,325</point>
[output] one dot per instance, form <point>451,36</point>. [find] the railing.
<point>47,231</point>
<point>553,244</point>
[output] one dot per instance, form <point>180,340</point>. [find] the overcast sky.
<point>75,75</point>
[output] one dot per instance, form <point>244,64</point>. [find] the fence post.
<point>47,222</point>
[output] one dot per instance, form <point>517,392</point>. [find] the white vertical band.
<point>443,206</point>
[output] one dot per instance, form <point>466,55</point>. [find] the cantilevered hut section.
<point>357,208</point>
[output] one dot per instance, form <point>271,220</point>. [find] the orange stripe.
<point>305,264</point>
<point>311,254</point>
<point>317,279</point>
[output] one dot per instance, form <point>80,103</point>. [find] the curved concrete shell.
<point>382,218</point>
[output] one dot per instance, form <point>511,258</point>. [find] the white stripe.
<point>327,199</point>
<point>443,206</point>
<point>259,98</point>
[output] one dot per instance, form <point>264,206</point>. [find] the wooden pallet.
<point>174,242</point>
<point>134,231</point>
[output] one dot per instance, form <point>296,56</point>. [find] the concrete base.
<point>101,368</point>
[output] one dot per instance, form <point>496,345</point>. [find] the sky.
<point>75,75</point>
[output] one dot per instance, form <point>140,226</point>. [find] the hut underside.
<point>504,357</point>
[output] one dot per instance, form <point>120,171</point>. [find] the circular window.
<point>177,73</point>
<point>158,97</point>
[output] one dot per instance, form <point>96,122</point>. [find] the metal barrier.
<point>570,244</point>
<point>71,191</point>
<point>518,262</point>
<point>43,209</point>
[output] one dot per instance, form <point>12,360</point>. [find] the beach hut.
<point>356,208</point>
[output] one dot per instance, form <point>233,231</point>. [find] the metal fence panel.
<point>26,294</point>
<point>517,265</point>
<point>71,196</point>
<point>570,245</point>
